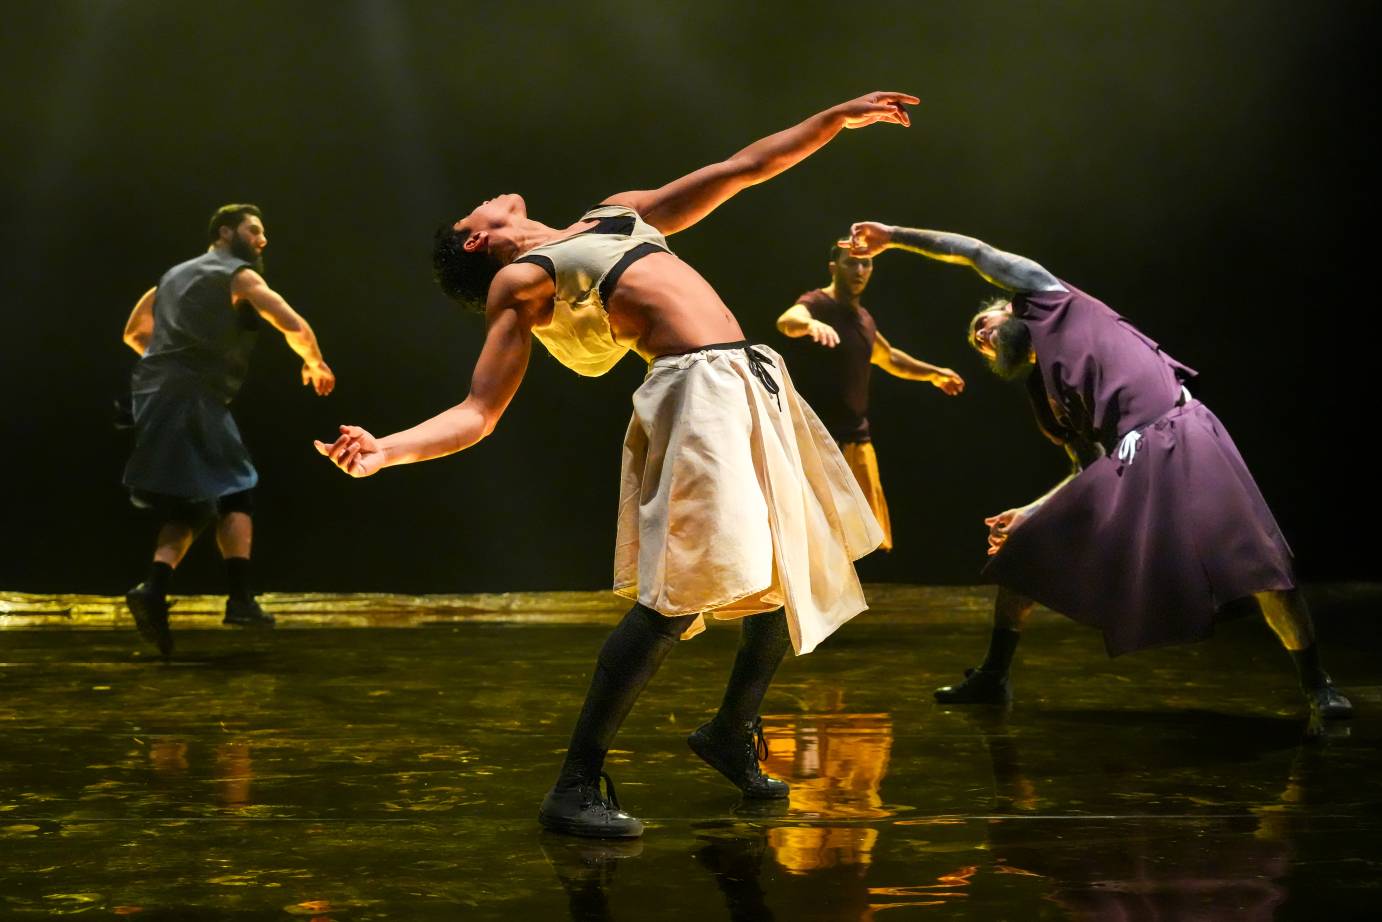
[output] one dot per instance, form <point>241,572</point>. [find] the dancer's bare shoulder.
<point>636,200</point>
<point>524,288</point>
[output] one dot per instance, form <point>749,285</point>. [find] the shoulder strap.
<point>537,259</point>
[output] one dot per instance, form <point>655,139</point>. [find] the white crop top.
<point>585,267</point>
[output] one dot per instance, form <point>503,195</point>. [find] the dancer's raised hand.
<point>867,238</point>
<point>356,452</point>
<point>877,107</point>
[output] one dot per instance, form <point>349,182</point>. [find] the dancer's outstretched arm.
<point>682,202</point>
<point>1082,454</point>
<point>1006,270</point>
<point>250,286</point>
<point>901,365</point>
<point>516,297</point>
<point>796,321</point>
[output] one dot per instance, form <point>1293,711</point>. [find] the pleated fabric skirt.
<point>187,445</point>
<point>1149,551</point>
<point>735,501</point>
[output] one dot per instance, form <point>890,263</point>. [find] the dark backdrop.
<point>1198,166</point>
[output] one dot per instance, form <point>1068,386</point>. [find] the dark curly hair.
<point>230,216</point>
<point>465,277</point>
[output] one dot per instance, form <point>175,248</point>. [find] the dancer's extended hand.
<point>877,107</point>
<point>823,333</point>
<point>948,381</point>
<point>319,377</point>
<point>867,238</point>
<point>356,452</point>
<point>1002,525</point>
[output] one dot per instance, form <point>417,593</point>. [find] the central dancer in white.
<point>734,501</point>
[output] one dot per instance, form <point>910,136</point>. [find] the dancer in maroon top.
<point>833,370</point>
<point>1159,526</point>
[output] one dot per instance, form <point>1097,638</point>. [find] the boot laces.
<point>592,794</point>
<point>760,743</point>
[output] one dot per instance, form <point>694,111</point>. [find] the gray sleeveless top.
<point>198,335</point>
<point>585,268</point>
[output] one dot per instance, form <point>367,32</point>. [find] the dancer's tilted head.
<point>1001,338</point>
<point>468,253</point>
<point>240,229</point>
<point>849,272</point>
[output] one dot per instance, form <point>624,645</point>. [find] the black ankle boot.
<point>736,754</point>
<point>150,611</point>
<point>980,686</point>
<point>1327,702</point>
<point>245,612</point>
<point>580,809</point>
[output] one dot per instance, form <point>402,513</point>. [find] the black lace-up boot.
<point>735,753</point>
<point>980,686</point>
<point>629,657</point>
<point>577,807</point>
<point>149,607</point>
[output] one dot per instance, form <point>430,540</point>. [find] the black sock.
<point>1002,646</point>
<point>763,643</point>
<point>1308,666</point>
<point>630,656</point>
<point>238,578</point>
<point>159,575</point>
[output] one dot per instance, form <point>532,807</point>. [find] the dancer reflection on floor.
<point>1160,525</point>
<point>734,501</point>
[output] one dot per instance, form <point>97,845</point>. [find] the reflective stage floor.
<point>352,773</point>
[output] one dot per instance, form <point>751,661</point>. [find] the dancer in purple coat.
<point>1159,525</point>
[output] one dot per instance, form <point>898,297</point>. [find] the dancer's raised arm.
<point>682,202</point>
<point>1006,270</point>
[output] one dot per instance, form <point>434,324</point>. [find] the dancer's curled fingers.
<point>355,452</point>
<point>868,238</point>
<point>949,382</point>
<point>879,107</point>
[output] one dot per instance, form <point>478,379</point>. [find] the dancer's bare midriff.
<point>663,306</point>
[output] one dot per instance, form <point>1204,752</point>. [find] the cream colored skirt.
<point>733,505</point>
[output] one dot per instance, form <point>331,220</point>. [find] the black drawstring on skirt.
<point>757,361</point>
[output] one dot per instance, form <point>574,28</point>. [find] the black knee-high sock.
<point>238,578</point>
<point>630,656</point>
<point>1002,646</point>
<point>159,575</point>
<point>1308,666</point>
<point>763,643</point>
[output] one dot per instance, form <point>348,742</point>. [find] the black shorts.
<point>194,512</point>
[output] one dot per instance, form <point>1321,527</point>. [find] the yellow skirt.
<point>732,503</point>
<point>863,461</point>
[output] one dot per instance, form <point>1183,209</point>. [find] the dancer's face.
<point>487,227</point>
<point>986,328</point>
<point>851,273</point>
<point>248,241</point>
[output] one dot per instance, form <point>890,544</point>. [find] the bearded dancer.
<point>1159,526</point>
<point>194,332</point>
